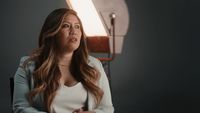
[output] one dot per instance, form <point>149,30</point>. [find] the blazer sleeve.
<point>106,105</point>
<point>21,88</point>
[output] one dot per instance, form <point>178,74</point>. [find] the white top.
<point>68,99</point>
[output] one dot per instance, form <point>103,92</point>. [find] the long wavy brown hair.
<point>47,75</point>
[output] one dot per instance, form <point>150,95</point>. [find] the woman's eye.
<point>66,25</point>
<point>77,26</point>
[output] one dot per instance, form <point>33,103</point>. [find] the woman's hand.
<point>81,110</point>
<point>84,112</point>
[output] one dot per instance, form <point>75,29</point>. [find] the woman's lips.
<point>73,39</point>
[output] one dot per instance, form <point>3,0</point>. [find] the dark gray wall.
<point>158,70</point>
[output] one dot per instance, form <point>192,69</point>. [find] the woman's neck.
<point>65,59</point>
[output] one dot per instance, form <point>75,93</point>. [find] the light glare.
<point>91,21</point>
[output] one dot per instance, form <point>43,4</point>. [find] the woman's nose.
<point>72,30</point>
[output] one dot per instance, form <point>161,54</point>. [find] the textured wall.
<point>158,70</point>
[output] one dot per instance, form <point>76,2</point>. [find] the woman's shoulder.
<point>93,61</point>
<point>26,60</point>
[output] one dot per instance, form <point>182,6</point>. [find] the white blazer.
<point>23,83</point>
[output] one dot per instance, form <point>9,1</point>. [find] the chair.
<point>11,90</point>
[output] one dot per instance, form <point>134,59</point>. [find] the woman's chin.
<point>72,49</point>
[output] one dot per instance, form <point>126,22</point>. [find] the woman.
<point>59,76</point>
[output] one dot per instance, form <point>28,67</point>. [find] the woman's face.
<point>70,33</point>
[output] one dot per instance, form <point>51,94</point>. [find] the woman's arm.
<point>21,88</point>
<point>105,105</point>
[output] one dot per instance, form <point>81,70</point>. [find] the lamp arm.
<point>112,21</point>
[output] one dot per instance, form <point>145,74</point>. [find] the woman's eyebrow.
<point>70,22</point>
